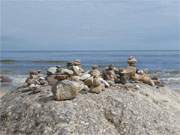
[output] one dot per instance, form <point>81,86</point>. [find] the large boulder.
<point>121,110</point>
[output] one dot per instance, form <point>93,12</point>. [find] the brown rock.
<point>97,89</point>
<point>51,80</point>
<point>61,77</point>
<point>89,81</point>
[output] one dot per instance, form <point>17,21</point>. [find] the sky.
<point>90,24</point>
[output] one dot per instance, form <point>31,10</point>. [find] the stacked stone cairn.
<point>34,81</point>
<point>67,82</point>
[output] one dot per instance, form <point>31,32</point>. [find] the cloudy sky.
<point>90,24</point>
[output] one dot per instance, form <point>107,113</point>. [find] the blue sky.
<point>90,25</point>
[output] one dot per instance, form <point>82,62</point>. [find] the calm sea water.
<point>165,64</point>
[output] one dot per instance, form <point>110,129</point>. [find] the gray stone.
<point>85,76</point>
<point>67,71</point>
<point>117,111</point>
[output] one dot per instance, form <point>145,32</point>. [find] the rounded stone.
<point>66,90</point>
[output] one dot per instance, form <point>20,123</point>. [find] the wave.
<point>50,61</point>
<point>173,79</point>
<point>11,61</point>
<point>8,61</point>
<point>162,71</point>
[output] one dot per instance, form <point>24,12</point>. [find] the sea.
<point>164,64</point>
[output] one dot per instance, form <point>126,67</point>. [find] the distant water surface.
<point>165,64</point>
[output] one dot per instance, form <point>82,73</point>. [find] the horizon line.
<point>82,50</point>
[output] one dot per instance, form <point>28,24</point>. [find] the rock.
<point>115,111</point>
<point>97,89</point>
<point>129,70</point>
<point>77,70</point>
<point>144,78</point>
<point>52,70</point>
<point>106,84</point>
<point>89,81</point>
<point>42,81</point>
<point>110,82</point>
<point>67,71</point>
<point>84,77</point>
<point>147,80</point>
<point>75,78</point>
<point>34,72</point>
<point>95,73</point>
<point>124,78</point>
<point>96,82</point>
<point>5,79</point>
<point>109,73</point>
<point>30,81</point>
<point>132,61</point>
<point>61,77</point>
<point>76,62</point>
<point>65,90</point>
<point>51,80</point>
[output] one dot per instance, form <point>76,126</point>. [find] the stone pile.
<point>35,79</point>
<point>68,81</point>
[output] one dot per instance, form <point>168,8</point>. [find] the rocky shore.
<point>131,109</point>
<point>111,101</point>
